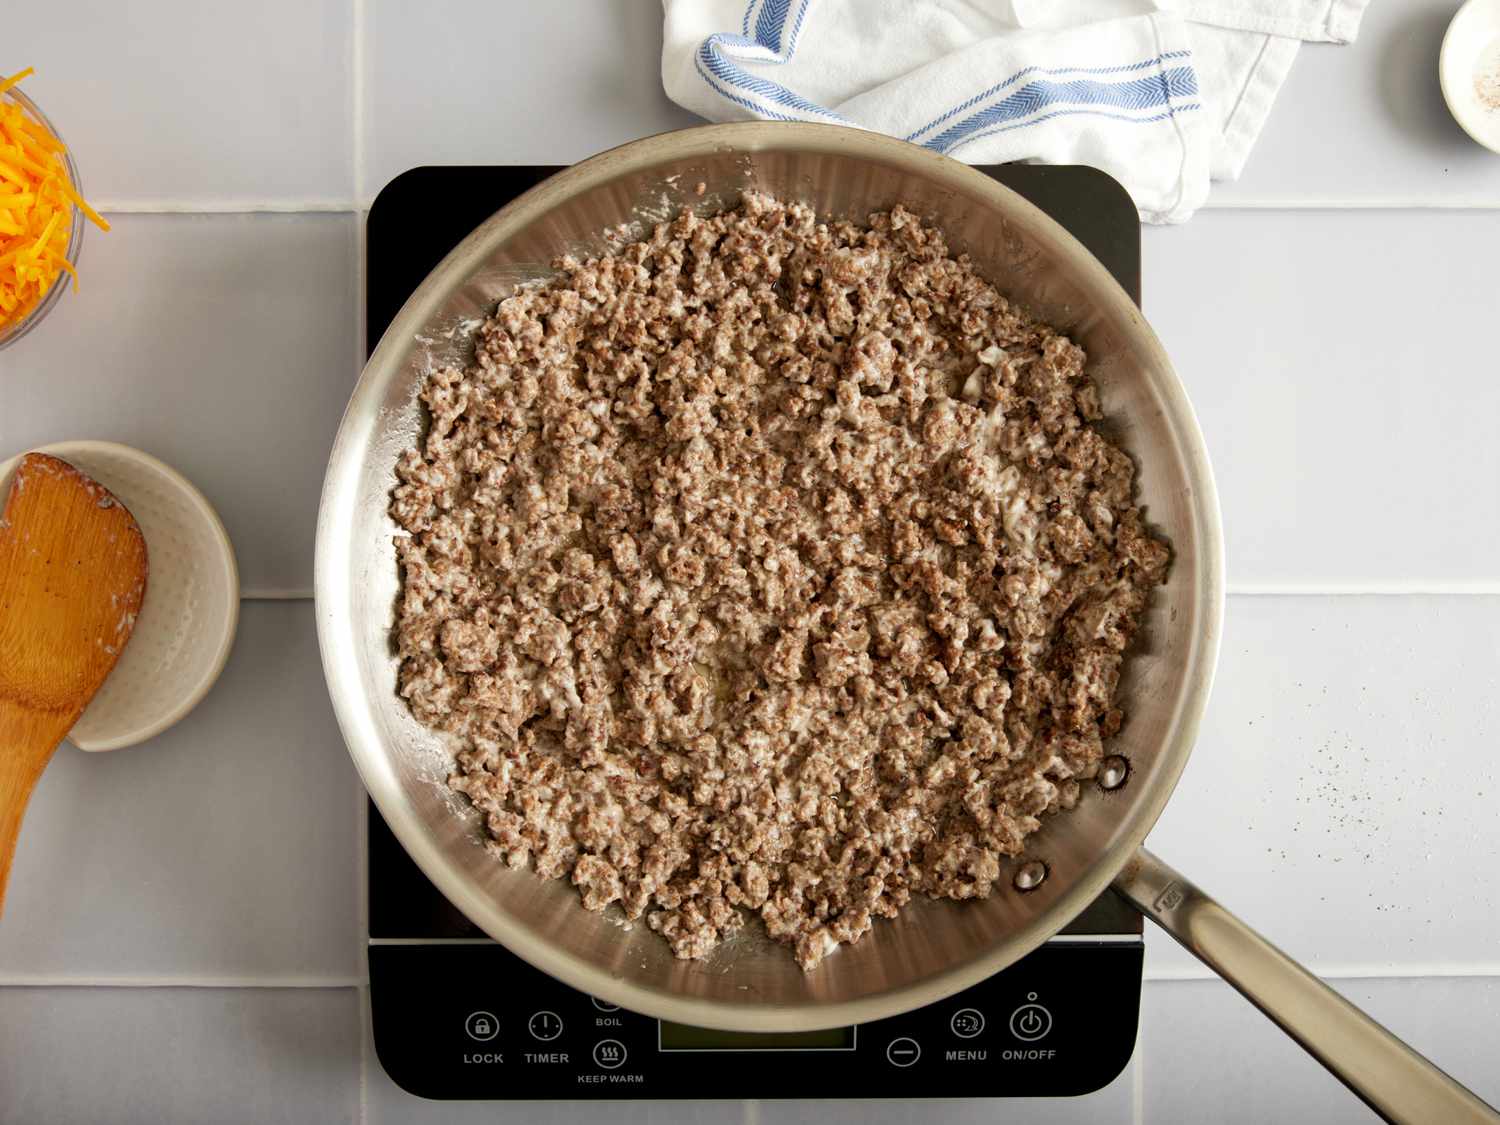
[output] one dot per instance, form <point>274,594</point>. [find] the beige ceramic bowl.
<point>188,621</point>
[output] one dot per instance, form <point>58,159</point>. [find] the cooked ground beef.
<point>768,566</point>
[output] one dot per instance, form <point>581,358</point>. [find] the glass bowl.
<point>11,332</point>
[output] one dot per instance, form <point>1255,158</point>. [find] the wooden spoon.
<point>72,578</point>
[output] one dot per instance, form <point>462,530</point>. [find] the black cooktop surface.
<point>1061,1021</point>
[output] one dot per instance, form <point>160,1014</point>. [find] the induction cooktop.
<point>1061,1021</point>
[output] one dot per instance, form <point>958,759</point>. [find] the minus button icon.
<point>902,1052</point>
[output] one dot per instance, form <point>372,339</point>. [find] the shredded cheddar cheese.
<point>36,209</point>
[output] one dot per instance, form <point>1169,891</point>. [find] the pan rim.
<point>336,627</point>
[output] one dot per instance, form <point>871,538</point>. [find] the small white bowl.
<point>187,623</point>
<point>1469,71</point>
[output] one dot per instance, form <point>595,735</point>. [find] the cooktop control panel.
<point>1061,1021</point>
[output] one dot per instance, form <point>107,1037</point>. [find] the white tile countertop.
<point>181,940</point>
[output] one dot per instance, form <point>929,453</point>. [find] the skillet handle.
<point>1389,1076</point>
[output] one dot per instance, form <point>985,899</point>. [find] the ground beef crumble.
<point>767,566</point>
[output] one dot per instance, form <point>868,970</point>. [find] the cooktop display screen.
<point>680,1037</point>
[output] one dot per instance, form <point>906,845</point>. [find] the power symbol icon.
<point>1030,1021</point>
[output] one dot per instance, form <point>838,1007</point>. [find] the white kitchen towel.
<point>1161,94</point>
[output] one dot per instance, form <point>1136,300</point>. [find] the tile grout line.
<point>1479,970</point>
<point>358,49</point>
<point>1459,587</point>
<point>360,203</point>
<point>55,980</point>
<point>1375,203</point>
<point>229,207</point>
<point>358,46</point>
<point>365,1034</point>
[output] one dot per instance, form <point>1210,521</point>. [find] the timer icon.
<point>545,1026</point>
<point>1030,1021</point>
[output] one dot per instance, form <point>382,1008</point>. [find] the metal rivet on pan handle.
<point>1113,771</point>
<point>1029,875</point>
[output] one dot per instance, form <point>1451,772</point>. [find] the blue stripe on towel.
<point>738,85</point>
<point>722,68</point>
<point>1170,112</point>
<point>1137,94</point>
<point>1051,72</point>
<point>1030,104</point>
<point>772,19</point>
<point>753,107</point>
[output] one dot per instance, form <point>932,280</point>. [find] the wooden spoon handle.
<point>27,741</point>
<point>72,578</point>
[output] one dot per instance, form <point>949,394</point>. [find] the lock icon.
<point>482,1026</point>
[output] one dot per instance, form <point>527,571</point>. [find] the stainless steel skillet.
<point>934,949</point>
